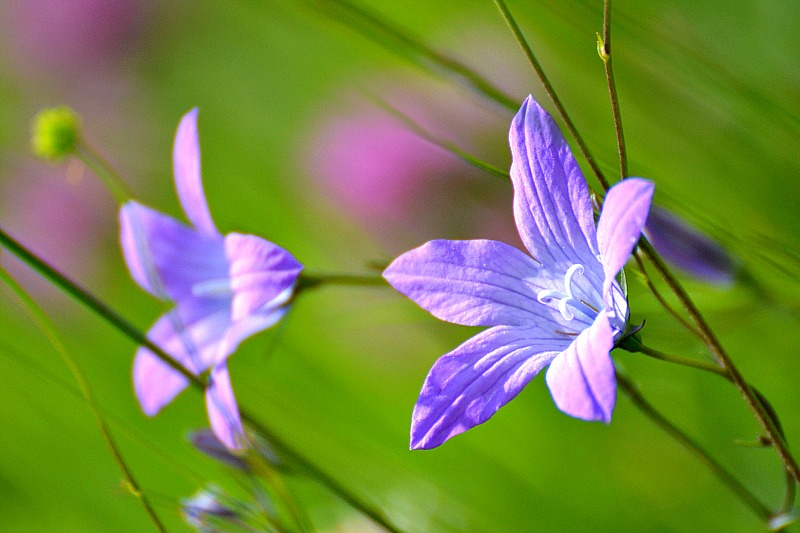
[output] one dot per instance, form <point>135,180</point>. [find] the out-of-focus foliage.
<point>709,97</point>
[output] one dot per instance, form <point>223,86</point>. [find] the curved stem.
<point>791,484</point>
<point>752,398</point>
<point>650,285</point>
<point>130,331</point>
<point>720,355</point>
<point>444,144</point>
<point>741,492</point>
<point>551,92</point>
<point>104,171</point>
<point>604,47</point>
<point>400,42</point>
<point>50,331</point>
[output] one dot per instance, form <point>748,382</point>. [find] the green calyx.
<point>631,340</point>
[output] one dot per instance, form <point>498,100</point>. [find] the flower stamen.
<point>569,304</point>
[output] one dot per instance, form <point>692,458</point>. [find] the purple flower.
<point>225,288</point>
<point>561,307</point>
<point>693,252</point>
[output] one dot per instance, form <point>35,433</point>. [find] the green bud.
<point>55,133</point>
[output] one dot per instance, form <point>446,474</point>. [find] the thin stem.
<point>104,171</point>
<point>791,485</point>
<point>604,48</point>
<point>398,41</point>
<point>317,279</point>
<point>130,331</point>
<point>50,331</point>
<point>94,304</point>
<point>754,400</point>
<point>551,92</point>
<point>650,285</point>
<point>720,355</point>
<point>684,361</point>
<point>741,492</point>
<point>444,144</point>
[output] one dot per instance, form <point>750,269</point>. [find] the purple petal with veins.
<point>560,306</point>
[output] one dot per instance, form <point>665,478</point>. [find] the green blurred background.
<point>710,95</point>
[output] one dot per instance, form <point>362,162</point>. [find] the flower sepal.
<point>631,340</point>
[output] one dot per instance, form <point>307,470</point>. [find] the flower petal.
<point>551,199</point>
<point>262,274</point>
<point>191,334</point>
<point>188,182</point>
<point>165,257</point>
<point>624,215</point>
<point>689,249</point>
<point>581,379</point>
<point>473,283</point>
<point>223,413</point>
<point>468,385</point>
<point>241,329</point>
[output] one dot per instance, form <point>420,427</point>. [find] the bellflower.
<point>561,305</point>
<point>225,288</point>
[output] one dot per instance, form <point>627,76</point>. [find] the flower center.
<point>568,304</point>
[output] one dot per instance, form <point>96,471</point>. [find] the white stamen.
<point>545,296</point>
<point>565,312</point>
<point>568,278</point>
<point>568,304</point>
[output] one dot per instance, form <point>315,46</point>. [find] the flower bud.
<point>690,250</point>
<point>205,508</point>
<point>56,131</point>
<point>208,443</point>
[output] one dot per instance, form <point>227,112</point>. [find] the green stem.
<point>714,369</point>
<point>720,355</point>
<point>50,331</point>
<point>312,280</point>
<point>398,41</point>
<point>741,492</point>
<point>444,144</point>
<point>104,171</point>
<point>551,92</point>
<point>660,297</point>
<point>684,361</point>
<point>94,304</point>
<point>605,55</point>
<point>755,401</point>
<point>125,327</point>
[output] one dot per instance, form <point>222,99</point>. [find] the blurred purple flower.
<point>225,288</point>
<point>204,509</point>
<point>561,307</point>
<point>688,249</point>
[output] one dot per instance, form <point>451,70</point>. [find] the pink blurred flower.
<point>402,188</point>
<point>67,220</point>
<point>65,36</point>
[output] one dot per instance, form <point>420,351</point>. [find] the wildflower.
<point>225,288</point>
<point>687,248</point>
<point>559,306</point>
